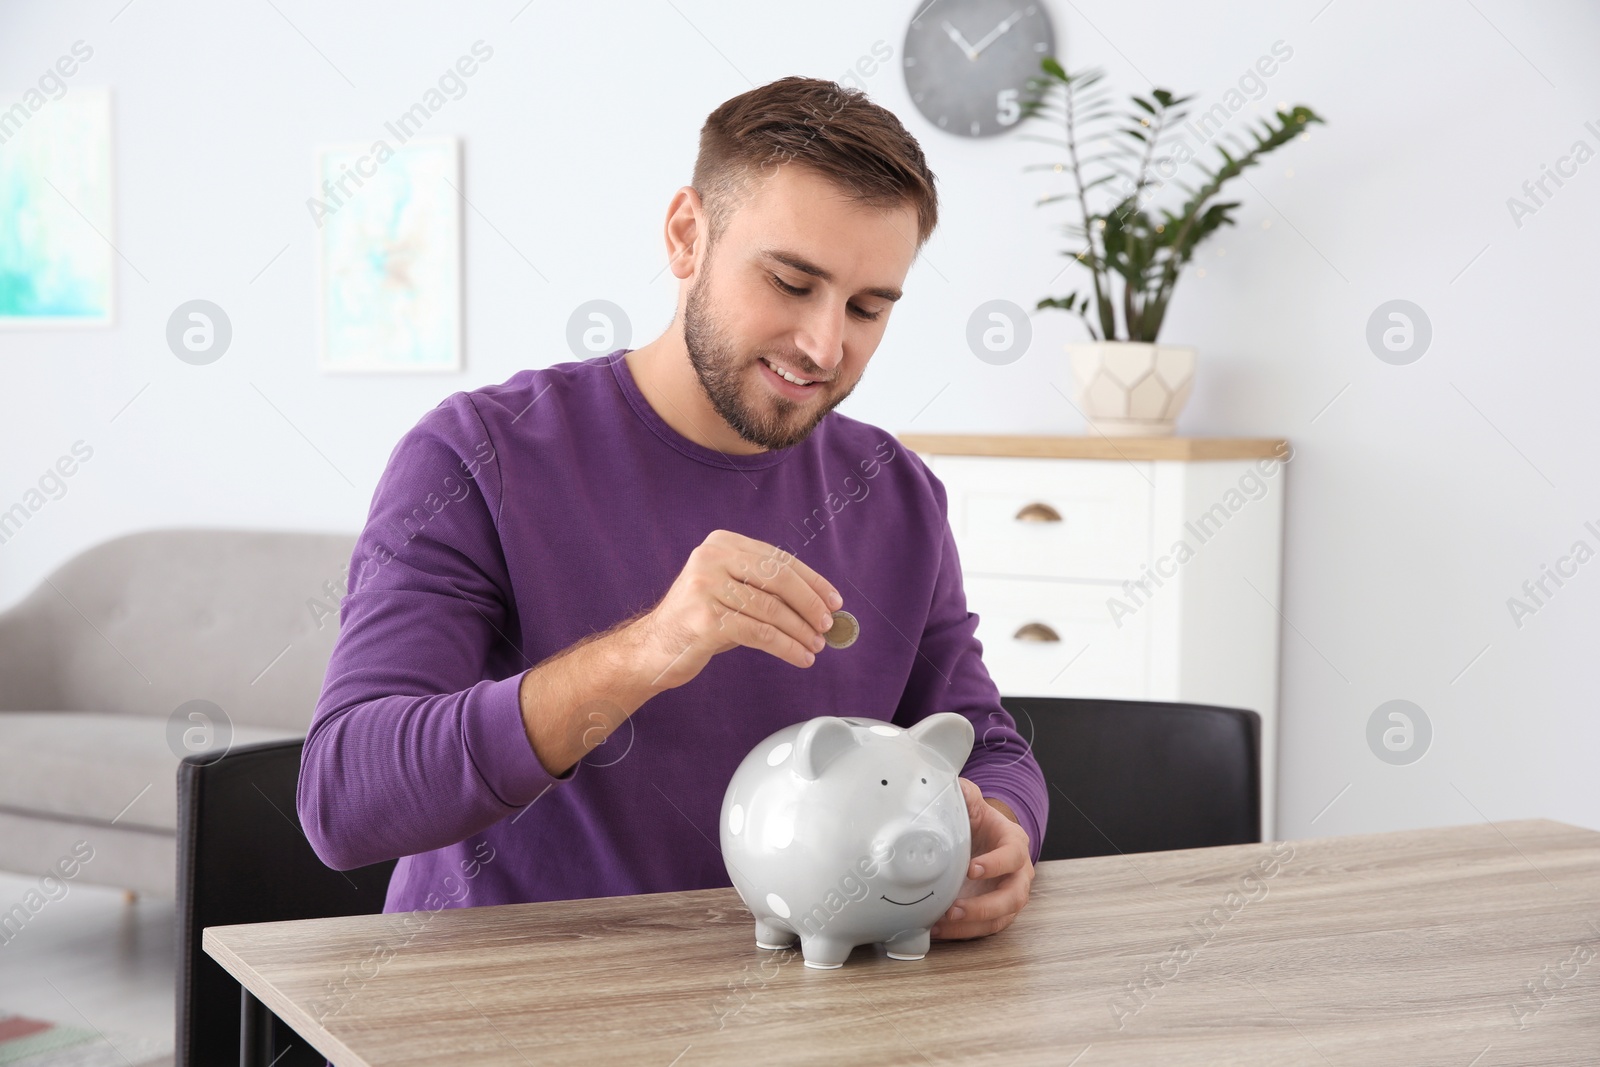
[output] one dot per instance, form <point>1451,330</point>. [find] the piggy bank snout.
<point>918,856</point>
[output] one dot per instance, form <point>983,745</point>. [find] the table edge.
<point>341,1055</point>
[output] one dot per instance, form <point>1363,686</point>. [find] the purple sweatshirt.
<point>514,520</point>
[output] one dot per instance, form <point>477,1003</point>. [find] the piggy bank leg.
<point>911,946</point>
<point>770,936</point>
<point>824,953</point>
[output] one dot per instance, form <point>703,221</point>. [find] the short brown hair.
<point>838,132</point>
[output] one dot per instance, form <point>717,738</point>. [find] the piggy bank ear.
<point>821,741</point>
<point>948,734</point>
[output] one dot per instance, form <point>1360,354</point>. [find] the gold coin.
<point>844,632</point>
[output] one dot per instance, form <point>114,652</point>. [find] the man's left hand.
<point>999,875</point>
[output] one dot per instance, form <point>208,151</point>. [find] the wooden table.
<point>1474,946</point>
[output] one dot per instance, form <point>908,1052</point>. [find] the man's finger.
<point>744,599</point>
<point>979,912</point>
<point>765,637</point>
<point>826,591</point>
<point>1008,896</point>
<point>1003,859</point>
<point>957,931</point>
<point>765,565</point>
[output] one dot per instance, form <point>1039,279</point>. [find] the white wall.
<point>1419,501</point>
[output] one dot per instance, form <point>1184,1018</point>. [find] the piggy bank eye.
<point>924,781</point>
<point>886,781</point>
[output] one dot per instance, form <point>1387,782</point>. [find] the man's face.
<point>801,279</point>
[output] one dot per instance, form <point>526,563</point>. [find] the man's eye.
<point>793,290</point>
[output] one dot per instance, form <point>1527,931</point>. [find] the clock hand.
<point>995,33</point>
<point>961,42</point>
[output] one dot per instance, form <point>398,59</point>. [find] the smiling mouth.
<point>919,900</point>
<point>792,379</point>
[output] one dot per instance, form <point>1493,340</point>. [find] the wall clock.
<point>967,62</point>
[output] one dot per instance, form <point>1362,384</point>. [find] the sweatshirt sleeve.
<point>949,675</point>
<point>415,743</point>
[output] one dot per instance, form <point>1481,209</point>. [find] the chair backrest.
<point>1135,776</point>
<point>145,622</point>
<point>243,858</point>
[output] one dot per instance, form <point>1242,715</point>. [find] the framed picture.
<point>389,256</point>
<point>55,199</point>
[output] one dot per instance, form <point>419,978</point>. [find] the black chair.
<point>242,858</point>
<point>1134,776</point>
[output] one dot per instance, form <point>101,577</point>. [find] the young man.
<point>582,596</point>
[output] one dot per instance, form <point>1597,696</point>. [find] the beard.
<point>770,421</point>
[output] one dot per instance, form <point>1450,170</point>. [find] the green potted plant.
<point>1126,383</point>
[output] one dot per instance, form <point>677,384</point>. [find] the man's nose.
<point>821,338</point>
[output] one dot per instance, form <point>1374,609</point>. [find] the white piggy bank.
<point>850,831</point>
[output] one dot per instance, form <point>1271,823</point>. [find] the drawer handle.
<point>1037,512</point>
<point>1036,631</point>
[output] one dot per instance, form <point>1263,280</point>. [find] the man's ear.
<point>686,231</point>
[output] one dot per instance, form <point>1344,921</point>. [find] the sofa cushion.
<point>148,621</point>
<point>97,768</point>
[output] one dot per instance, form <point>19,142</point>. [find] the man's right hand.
<point>736,590</point>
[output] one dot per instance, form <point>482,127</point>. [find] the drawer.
<point>1052,518</point>
<point>1090,656</point>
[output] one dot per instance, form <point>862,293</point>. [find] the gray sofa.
<point>97,661</point>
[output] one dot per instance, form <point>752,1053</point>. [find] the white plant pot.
<point>1131,388</point>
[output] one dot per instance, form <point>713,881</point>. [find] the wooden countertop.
<point>1095,447</point>
<point>1422,946</point>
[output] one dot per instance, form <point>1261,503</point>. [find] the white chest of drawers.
<point>1130,568</point>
